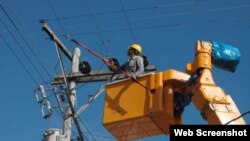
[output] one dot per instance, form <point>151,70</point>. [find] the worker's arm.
<point>124,66</point>
<point>139,65</point>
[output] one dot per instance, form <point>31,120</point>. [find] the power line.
<point>86,128</point>
<point>26,42</point>
<point>194,12</point>
<point>5,12</point>
<point>101,136</point>
<point>190,13</point>
<point>96,135</point>
<point>167,15</point>
<point>242,115</point>
<point>19,60</point>
<point>172,25</point>
<point>175,24</point>
<point>129,10</point>
<point>57,18</point>
<point>95,24</point>
<point>92,18</point>
<point>127,20</point>
<point>76,138</point>
<point>25,54</point>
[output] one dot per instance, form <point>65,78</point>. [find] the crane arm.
<point>216,107</point>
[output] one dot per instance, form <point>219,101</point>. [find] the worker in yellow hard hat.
<point>134,65</point>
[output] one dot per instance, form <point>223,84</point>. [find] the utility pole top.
<point>53,37</point>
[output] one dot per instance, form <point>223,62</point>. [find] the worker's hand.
<point>132,76</point>
<point>115,65</point>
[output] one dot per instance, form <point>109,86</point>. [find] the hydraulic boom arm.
<point>216,107</point>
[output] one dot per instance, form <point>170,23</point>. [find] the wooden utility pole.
<point>70,87</point>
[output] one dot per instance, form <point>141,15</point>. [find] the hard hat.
<point>136,47</point>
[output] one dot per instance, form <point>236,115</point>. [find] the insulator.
<point>45,105</point>
<point>46,108</point>
<point>84,67</point>
<point>42,91</point>
<point>40,94</point>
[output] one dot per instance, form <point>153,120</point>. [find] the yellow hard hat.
<point>136,47</point>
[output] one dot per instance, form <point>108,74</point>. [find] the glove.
<point>116,63</point>
<point>132,76</point>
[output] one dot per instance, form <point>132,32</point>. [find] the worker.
<point>134,65</point>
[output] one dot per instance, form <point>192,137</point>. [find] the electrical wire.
<point>26,42</point>
<point>127,20</point>
<point>188,13</point>
<point>88,130</point>
<point>96,135</point>
<point>20,47</point>
<point>5,12</point>
<point>103,41</point>
<point>169,25</point>
<point>174,24</point>
<point>242,115</point>
<point>56,65</point>
<point>19,60</point>
<point>92,18</point>
<point>76,139</point>
<point>101,136</point>
<point>194,12</point>
<point>129,10</point>
<point>57,18</point>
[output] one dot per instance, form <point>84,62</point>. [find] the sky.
<point>166,29</point>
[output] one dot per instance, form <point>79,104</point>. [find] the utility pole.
<point>69,116</point>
